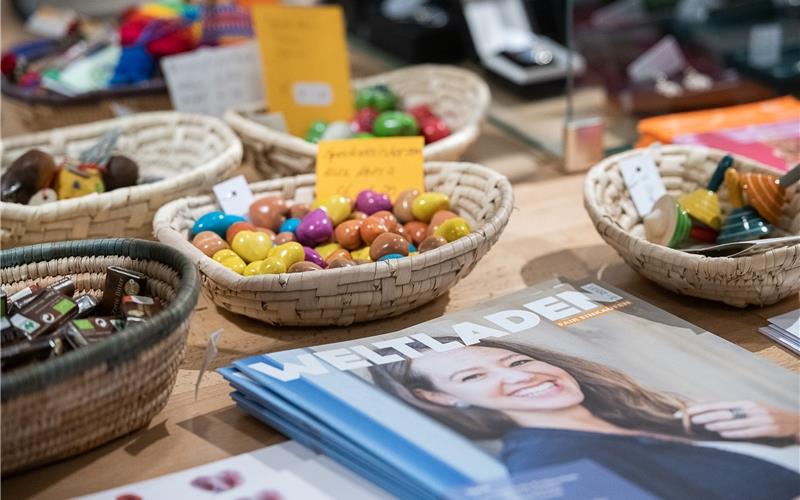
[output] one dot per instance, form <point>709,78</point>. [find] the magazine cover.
<point>561,390</point>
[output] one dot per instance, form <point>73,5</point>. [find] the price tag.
<point>234,196</point>
<point>643,180</point>
<point>664,57</point>
<point>306,70</point>
<point>387,165</point>
<point>764,49</point>
<point>236,78</point>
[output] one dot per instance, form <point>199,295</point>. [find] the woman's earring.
<point>694,80</point>
<point>667,87</point>
<point>461,404</point>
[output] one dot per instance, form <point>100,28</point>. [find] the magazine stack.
<point>561,390</point>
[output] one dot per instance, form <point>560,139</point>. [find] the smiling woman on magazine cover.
<point>549,408</point>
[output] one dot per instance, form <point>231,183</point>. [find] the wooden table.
<point>549,235</point>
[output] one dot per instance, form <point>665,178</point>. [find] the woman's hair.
<point>609,394</point>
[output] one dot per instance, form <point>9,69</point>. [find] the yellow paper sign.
<point>387,165</point>
<point>306,71</point>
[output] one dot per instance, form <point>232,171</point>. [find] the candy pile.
<point>37,323</point>
<point>378,115</point>
<point>34,178</point>
<point>697,215</point>
<point>331,233</point>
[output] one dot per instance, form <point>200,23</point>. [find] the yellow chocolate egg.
<point>337,206</point>
<point>361,254</point>
<point>232,262</point>
<point>289,253</point>
<point>427,204</point>
<point>253,268</point>
<point>273,265</point>
<point>251,245</point>
<point>327,249</point>
<point>222,254</point>
<point>453,229</point>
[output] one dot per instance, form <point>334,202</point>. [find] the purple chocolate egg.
<point>369,202</point>
<point>315,228</point>
<point>314,256</point>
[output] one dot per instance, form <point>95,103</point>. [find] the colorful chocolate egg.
<point>402,205</point>
<point>426,204</point>
<point>369,202</point>
<point>338,207</point>
<point>216,221</point>
<point>268,212</point>
<point>209,243</point>
<point>28,174</point>
<point>395,123</point>
<point>388,243</point>
<point>453,229</point>
<point>348,234</point>
<point>315,228</point>
<point>251,245</point>
<point>303,267</point>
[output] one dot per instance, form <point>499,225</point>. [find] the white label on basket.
<point>312,93</point>
<point>643,181</point>
<point>236,78</point>
<point>764,49</point>
<point>234,196</point>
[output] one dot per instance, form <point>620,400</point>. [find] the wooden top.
<point>549,235</point>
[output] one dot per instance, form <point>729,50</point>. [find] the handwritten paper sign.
<point>304,53</point>
<point>236,78</point>
<point>388,165</point>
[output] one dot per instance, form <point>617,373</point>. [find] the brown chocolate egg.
<point>340,253</point>
<point>356,215</point>
<point>31,172</point>
<point>303,266</point>
<point>402,205</point>
<point>388,218</point>
<point>348,234</point>
<point>341,262</point>
<point>402,232</point>
<point>209,242</point>
<point>430,243</point>
<point>417,230</point>
<point>437,219</point>
<point>284,237</point>
<point>387,243</point>
<point>299,210</point>
<point>371,228</point>
<point>269,212</point>
<point>120,172</point>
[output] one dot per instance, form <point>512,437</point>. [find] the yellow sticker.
<point>387,165</point>
<point>306,70</point>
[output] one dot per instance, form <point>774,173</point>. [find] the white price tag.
<point>764,49</point>
<point>234,196</point>
<point>664,57</point>
<point>643,181</point>
<point>312,94</point>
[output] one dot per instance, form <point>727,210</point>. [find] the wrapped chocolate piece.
<point>82,332</point>
<point>86,305</point>
<point>64,286</point>
<point>44,314</point>
<point>137,308</point>
<point>3,304</point>
<point>24,353</point>
<point>9,334</point>
<point>120,282</point>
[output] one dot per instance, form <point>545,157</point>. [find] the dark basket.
<point>87,397</point>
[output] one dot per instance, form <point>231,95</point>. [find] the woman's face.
<point>497,379</point>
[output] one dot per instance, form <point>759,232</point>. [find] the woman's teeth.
<point>537,390</point>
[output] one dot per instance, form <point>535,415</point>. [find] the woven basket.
<point>457,95</point>
<point>89,396</point>
<point>359,293</point>
<point>759,279</point>
<point>190,153</point>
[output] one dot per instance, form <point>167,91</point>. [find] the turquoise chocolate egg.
<point>394,123</point>
<point>289,225</point>
<point>216,221</point>
<point>391,256</point>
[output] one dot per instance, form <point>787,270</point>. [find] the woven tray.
<point>458,96</point>
<point>190,152</point>
<point>760,279</point>
<point>87,397</point>
<point>359,293</point>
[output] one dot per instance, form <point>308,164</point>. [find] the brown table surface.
<point>549,235</point>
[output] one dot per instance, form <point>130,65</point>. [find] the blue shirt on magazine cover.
<point>668,469</point>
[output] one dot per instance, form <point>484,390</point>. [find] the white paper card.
<point>235,80</point>
<point>643,181</point>
<point>789,322</point>
<point>664,57</point>
<point>764,49</point>
<point>234,196</point>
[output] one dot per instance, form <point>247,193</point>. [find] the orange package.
<point>665,128</point>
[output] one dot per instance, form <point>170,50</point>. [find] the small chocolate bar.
<point>3,303</point>
<point>138,308</point>
<point>65,286</point>
<point>86,304</point>
<point>23,353</point>
<point>82,332</point>
<point>45,314</point>
<point>9,334</point>
<point>120,282</point>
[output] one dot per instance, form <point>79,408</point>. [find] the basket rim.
<point>604,223</point>
<point>235,117</point>
<point>232,153</point>
<point>227,278</point>
<point>121,347</point>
